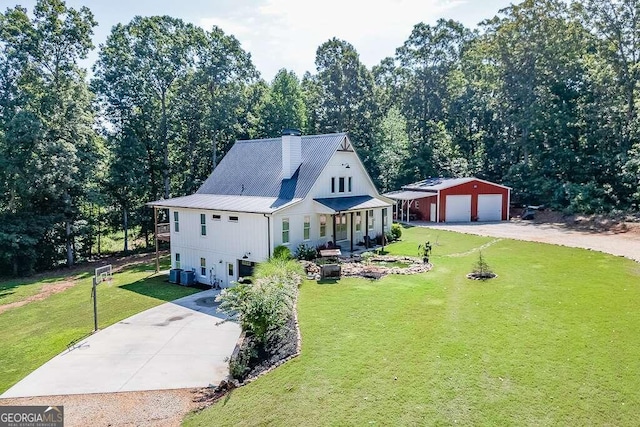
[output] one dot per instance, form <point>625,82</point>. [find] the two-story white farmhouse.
<point>269,192</point>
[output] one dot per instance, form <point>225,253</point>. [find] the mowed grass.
<point>32,334</point>
<point>552,341</point>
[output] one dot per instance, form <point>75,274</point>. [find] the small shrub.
<point>481,269</point>
<point>366,256</point>
<point>389,236</point>
<point>424,251</point>
<point>305,252</point>
<point>240,365</point>
<point>396,231</point>
<point>282,252</point>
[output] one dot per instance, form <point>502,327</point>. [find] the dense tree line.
<point>542,97</point>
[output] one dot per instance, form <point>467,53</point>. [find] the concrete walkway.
<point>180,344</point>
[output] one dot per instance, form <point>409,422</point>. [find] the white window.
<point>233,219</point>
<point>341,184</point>
<point>215,217</point>
<point>177,260</point>
<point>358,221</point>
<point>203,267</point>
<point>384,217</point>
<point>307,228</point>
<point>176,222</point>
<point>203,225</point>
<point>349,187</point>
<point>285,231</point>
<point>371,219</point>
<point>333,184</point>
<point>323,225</point>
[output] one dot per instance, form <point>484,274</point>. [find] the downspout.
<point>268,235</point>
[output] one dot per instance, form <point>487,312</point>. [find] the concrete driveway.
<point>180,344</point>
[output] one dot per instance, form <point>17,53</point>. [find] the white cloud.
<point>286,33</point>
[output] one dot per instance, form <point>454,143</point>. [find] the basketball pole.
<point>155,235</point>
<point>95,305</point>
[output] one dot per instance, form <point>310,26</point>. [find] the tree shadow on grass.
<point>328,281</point>
<point>159,287</point>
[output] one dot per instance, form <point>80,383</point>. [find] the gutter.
<point>268,235</point>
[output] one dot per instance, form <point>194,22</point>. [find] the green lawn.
<point>34,333</point>
<point>554,340</point>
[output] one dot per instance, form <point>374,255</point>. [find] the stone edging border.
<point>470,276</point>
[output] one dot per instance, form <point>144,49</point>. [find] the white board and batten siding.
<point>225,240</point>
<point>458,208</point>
<point>490,207</point>
<point>360,185</point>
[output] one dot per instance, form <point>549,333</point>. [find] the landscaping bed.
<point>373,267</point>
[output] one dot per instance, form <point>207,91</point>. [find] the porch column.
<point>351,226</point>
<point>384,236</point>
<point>155,235</point>
<point>335,241</point>
<point>408,204</point>
<point>366,228</point>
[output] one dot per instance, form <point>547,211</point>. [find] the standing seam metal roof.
<point>254,168</point>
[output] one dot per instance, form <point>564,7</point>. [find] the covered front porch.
<point>358,223</point>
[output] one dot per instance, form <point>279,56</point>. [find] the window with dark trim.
<point>371,219</point>
<point>358,221</point>
<point>333,184</point>
<point>341,184</point>
<point>384,217</point>
<point>285,231</point>
<point>176,222</point>
<point>233,219</point>
<point>177,260</point>
<point>306,230</point>
<point>349,187</point>
<point>215,217</point>
<point>323,225</point>
<point>230,269</point>
<point>203,225</point>
<point>203,267</point>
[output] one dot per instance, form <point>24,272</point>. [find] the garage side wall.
<point>423,210</point>
<point>474,188</point>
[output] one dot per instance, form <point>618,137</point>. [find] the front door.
<point>341,227</point>
<point>432,212</point>
<point>231,273</point>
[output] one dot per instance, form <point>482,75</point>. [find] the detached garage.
<point>452,200</point>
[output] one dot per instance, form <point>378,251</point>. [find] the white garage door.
<point>490,207</point>
<point>458,209</point>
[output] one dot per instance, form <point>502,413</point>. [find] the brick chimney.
<point>291,152</point>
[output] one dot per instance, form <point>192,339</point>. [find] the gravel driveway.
<point>625,244</point>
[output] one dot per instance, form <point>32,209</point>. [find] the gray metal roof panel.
<point>342,204</point>
<point>409,195</point>
<point>437,184</point>
<point>254,168</point>
<point>229,203</point>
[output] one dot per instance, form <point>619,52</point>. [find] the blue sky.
<point>286,33</point>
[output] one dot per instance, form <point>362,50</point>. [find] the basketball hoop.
<point>101,275</point>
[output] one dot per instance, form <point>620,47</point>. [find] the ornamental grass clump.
<point>265,311</point>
